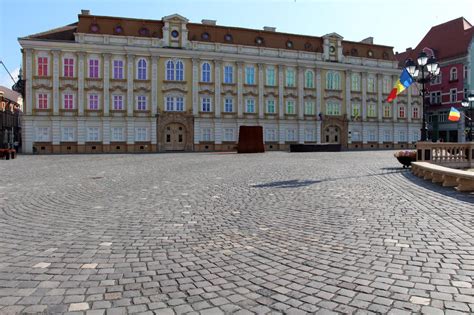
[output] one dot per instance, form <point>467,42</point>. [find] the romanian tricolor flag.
<point>454,114</point>
<point>405,81</point>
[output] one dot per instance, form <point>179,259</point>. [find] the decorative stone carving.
<point>67,83</point>
<point>183,118</point>
<point>141,86</point>
<point>173,86</point>
<point>42,83</point>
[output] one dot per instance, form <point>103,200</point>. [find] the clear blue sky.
<point>397,23</point>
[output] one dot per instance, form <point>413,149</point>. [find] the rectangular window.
<point>250,108</point>
<point>67,134</point>
<point>93,102</point>
<point>228,105</point>
<point>290,78</point>
<point>371,85</point>
<point>387,137</point>
<point>356,110</point>
<point>118,102</point>
<point>271,76</point>
<point>228,74</point>
<point>118,69</point>
<point>141,102</point>
<point>93,68</point>
<point>42,66</point>
<point>68,67</point>
<point>453,95</point>
<point>290,107</point>
<point>42,101</point>
<point>42,134</point>
<point>355,82</point>
<point>271,106</point>
<point>372,135</point>
<point>371,110</point>
<point>249,75</point>
<point>387,111</point>
<point>415,135</point>
<point>333,109</point>
<point>93,134</point>
<point>290,134</point>
<point>118,134</point>
<point>68,102</point>
<point>401,111</point>
<point>141,134</point>
<point>437,79</point>
<point>169,104</point>
<point>355,136</point>
<point>206,134</point>
<point>229,134</point>
<point>435,97</point>
<point>386,85</point>
<point>270,135</point>
<point>465,72</point>
<point>179,104</point>
<point>309,108</point>
<point>402,136</point>
<point>205,104</point>
<point>309,135</point>
<point>415,112</point>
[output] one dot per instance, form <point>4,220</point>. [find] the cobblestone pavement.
<point>213,233</point>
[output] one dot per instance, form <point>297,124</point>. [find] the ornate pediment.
<point>175,18</point>
<point>333,35</point>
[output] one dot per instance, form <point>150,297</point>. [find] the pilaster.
<point>56,99</point>
<point>300,96</point>
<point>106,94</point>
<point>217,89</point>
<point>379,97</point>
<point>281,111</point>
<point>217,131</point>
<point>153,130</point>
<point>260,91</point>
<point>80,84</point>
<point>28,70</point>
<point>348,93</point>
<point>130,66</point>
<point>154,88</point>
<point>130,130</point>
<point>56,131</point>
<point>106,130</point>
<point>81,130</point>
<point>195,87</point>
<point>409,105</point>
<point>240,90</point>
<point>364,95</point>
<point>318,94</point>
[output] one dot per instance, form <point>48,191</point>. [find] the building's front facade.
<point>109,84</point>
<point>452,44</point>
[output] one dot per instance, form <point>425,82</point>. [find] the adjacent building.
<point>10,119</point>
<point>453,46</point>
<point>112,84</point>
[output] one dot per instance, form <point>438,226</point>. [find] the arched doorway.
<point>332,134</point>
<point>175,137</point>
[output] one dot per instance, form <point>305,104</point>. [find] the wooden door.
<point>175,137</point>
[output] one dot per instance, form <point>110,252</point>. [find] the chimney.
<point>368,40</point>
<point>85,12</point>
<point>269,28</point>
<point>409,49</point>
<point>209,22</point>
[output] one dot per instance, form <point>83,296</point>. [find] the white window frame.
<point>453,92</point>
<point>229,134</point>
<point>453,74</point>
<point>291,134</point>
<point>250,75</point>
<point>309,108</point>
<point>141,134</point>
<point>206,134</point>
<point>228,101</point>
<point>247,103</point>
<point>93,134</point>
<point>206,101</point>
<point>142,68</point>
<point>42,134</point>
<point>270,135</point>
<point>267,105</point>
<point>117,131</point>
<point>68,134</point>
<point>206,73</point>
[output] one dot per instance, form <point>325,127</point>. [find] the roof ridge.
<point>53,30</point>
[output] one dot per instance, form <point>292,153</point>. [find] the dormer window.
<point>118,29</point>
<point>289,44</point>
<point>228,38</point>
<point>308,46</point>
<point>332,49</point>
<point>354,52</point>
<point>94,28</point>
<point>174,33</point>
<point>385,55</point>
<point>144,31</point>
<point>259,40</point>
<point>205,36</point>
<point>370,53</point>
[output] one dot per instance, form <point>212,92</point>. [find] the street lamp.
<point>423,72</point>
<point>466,103</point>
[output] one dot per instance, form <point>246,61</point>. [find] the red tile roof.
<point>448,40</point>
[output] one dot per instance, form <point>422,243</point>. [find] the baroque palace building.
<point>111,84</point>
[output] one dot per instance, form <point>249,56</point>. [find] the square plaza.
<point>222,233</point>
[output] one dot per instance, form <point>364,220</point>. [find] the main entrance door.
<point>175,137</point>
<point>332,134</point>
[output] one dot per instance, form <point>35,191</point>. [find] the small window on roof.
<point>259,40</point>
<point>205,36</point>
<point>228,37</point>
<point>308,46</point>
<point>118,29</point>
<point>289,44</point>
<point>95,28</point>
<point>370,53</point>
<point>385,55</point>
<point>144,31</point>
<point>354,52</point>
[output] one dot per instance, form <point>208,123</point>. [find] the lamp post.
<point>423,72</point>
<point>467,104</point>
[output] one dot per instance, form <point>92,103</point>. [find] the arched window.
<point>141,69</point>
<point>333,80</point>
<point>179,71</point>
<point>206,72</point>
<point>170,70</point>
<point>309,79</point>
<point>290,77</point>
<point>453,74</point>
<point>337,81</point>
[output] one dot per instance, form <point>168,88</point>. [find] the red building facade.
<point>451,44</point>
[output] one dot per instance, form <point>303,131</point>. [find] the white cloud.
<point>5,79</point>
